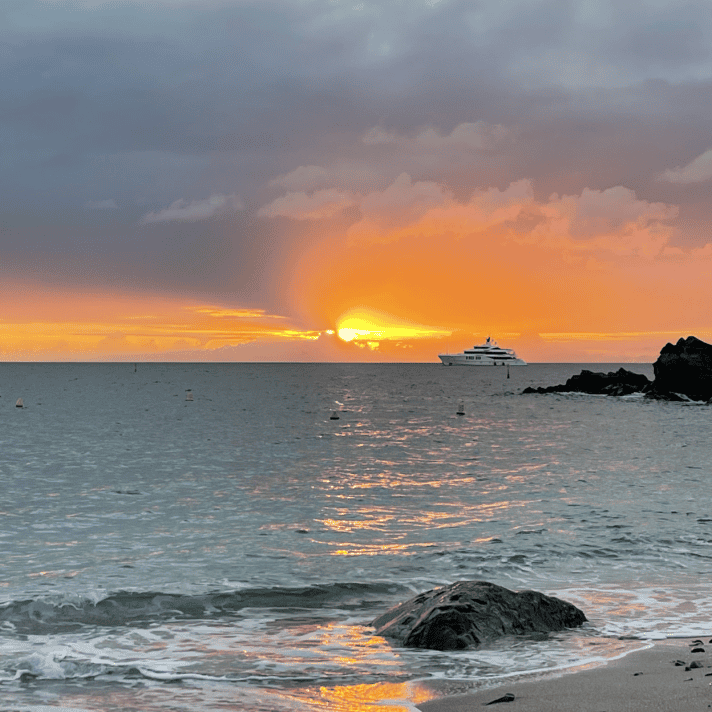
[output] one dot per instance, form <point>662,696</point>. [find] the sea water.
<point>229,551</point>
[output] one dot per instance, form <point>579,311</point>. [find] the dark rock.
<point>469,613</point>
<point>613,383</point>
<point>684,371</point>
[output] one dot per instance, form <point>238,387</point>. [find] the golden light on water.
<point>373,549</point>
<point>378,697</point>
<point>381,697</point>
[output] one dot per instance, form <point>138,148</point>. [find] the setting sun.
<point>371,326</point>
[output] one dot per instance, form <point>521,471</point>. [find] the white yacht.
<point>487,354</point>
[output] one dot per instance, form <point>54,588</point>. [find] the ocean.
<point>218,536</point>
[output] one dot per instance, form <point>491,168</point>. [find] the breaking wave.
<point>45,615</point>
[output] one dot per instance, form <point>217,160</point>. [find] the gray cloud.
<point>194,210</point>
<point>696,171</point>
<point>160,104</point>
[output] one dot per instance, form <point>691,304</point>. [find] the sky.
<point>333,180</point>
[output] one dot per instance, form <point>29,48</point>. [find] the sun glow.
<point>346,334</point>
<point>371,327</point>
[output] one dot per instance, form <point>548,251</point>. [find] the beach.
<point>649,680</point>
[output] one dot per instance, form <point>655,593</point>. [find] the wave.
<point>47,615</point>
<point>55,666</point>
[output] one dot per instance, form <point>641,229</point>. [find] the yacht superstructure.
<point>487,354</point>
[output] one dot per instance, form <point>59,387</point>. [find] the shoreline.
<point>647,680</point>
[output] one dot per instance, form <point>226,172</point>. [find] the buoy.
<point>19,403</point>
<point>461,409</point>
<point>189,396</point>
<point>334,416</point>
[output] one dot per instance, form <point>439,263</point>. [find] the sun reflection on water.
<point>396,697</point>
<point>378,697</point>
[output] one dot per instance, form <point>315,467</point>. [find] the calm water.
<point>228,552</point>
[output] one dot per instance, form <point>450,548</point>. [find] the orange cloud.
<point>503,261</point>
<point>109,326</point>
<point>594,276</point>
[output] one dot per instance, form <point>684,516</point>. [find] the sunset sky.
<point>361,180</point>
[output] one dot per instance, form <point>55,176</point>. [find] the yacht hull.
<point>460,360</point>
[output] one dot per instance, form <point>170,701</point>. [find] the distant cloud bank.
<point>696,171</point>
<point>182,210</point>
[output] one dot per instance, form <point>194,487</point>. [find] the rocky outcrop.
<point>614,383</point>
<point>683,371</point>
<point>469,613</point>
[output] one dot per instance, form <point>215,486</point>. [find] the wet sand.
<point>644,681</point>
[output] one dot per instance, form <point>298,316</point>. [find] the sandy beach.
<point>671,676</point>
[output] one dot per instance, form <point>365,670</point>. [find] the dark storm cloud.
<point>146,104</point>
<point>265,77</point>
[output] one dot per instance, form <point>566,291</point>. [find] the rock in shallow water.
<point>682,372</point>
<point>614,383</point>
<point>469,613</point>
<point>684,369</point>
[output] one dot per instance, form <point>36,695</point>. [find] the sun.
<point>348,334</point>
<point>370,327</point>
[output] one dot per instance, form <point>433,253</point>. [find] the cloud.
<point>301,206</point>
<point>613,220</point>
<point>379,156</point>
<point>696,171</point>
<point>401,203</point>
<point>407,209</point>
<point>377,135</point>
<point>477,136</point>
<point>114,340</point>
<point>109,204</point>
<point>302,178</point>
<point>182,210</point>
<point>610,221</point>
<point>219,312</point>
<point>424,122</point>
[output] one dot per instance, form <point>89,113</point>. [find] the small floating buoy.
<point>461,409</point>
<point>189,395</point>
<point>19,403</point>
<point>334,416</point>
